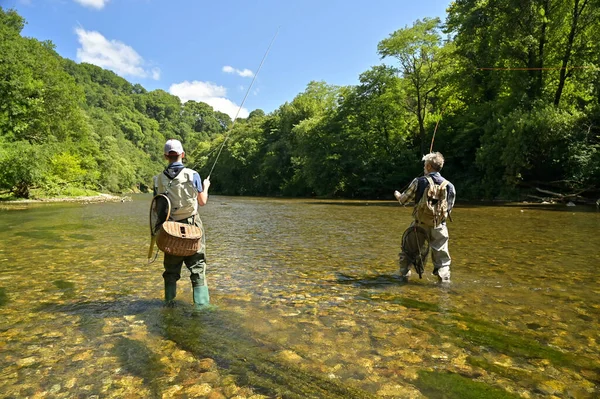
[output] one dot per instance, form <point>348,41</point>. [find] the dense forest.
<point>511,90</point>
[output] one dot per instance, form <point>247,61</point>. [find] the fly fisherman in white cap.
<point>186,192</point>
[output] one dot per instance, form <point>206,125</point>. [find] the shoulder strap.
<point>430,181</point>
<point>188,170</point>
<point>444,184</point>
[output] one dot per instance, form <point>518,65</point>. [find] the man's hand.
<point>206,184</point>
<point>397,194</point>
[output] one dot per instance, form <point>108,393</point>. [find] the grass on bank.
<point>41,194</point>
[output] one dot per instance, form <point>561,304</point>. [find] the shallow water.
<point>308,304</point>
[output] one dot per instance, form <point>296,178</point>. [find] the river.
<point>308,304</point>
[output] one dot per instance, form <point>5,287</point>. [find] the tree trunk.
<point>542,43</point>
<point>567,56</point>
<point>22,190</point>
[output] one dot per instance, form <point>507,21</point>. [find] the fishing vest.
<point>181,192</point>
<point>432,208</point>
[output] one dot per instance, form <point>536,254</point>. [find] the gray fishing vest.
<point>181,192</point>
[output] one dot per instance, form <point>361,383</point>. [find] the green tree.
<point>39,102</point>
<point>422,59</point>
<point>23,167</point>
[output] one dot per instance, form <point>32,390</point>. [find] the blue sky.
<point>210,50</point>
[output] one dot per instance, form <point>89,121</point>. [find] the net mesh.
<point>160,210</point>
<point>415,245</point>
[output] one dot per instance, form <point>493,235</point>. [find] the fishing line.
<point>535,69</point>
<point>242,104</point>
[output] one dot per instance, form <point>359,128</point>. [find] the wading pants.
<point>196,263</point>
<point>438,242</point>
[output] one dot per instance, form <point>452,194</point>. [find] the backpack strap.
<point>430,181</point>
<point>444,184</point>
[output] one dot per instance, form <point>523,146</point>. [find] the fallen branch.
<point>575,197</point>
<point>550,192</point>
<point>538,197</point>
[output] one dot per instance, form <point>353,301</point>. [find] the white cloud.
<point>115,55</point>
<point>245,73</point>
<point>97,4</point>
<point>208,93</point>
<point>155,73</point>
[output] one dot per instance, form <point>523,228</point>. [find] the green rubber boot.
<point>170,293</point>
<point>201,297</point>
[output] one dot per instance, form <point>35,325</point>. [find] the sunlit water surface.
<point>308,304</point>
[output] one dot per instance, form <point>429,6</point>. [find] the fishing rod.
<point>242,104</point>
<point>430,147</point>
<point>435,130</point>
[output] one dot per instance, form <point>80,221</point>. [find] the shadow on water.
<point>3,296</point>
<point>215,334</point>
<point>383,280</point>
<point>373,281</point>
<point>67,288</point>
<point>119,307</point>
<point>453,386</point>
<point>252,361</point>
<point>138,360</point>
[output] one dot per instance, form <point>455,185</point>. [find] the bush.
<point>23,166</point>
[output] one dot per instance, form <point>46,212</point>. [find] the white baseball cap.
<point>173,145</point>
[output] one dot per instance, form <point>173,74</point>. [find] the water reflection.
<point>309,304</point>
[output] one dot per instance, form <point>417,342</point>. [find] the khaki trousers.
<point>438,242</point>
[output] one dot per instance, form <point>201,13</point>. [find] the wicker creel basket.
<point>179,239</point>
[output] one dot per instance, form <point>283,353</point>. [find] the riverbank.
<point>83,199</point>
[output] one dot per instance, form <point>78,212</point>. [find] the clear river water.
<point>308,304</point>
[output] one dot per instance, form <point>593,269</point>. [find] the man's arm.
<point>202,189</point>
<point>408,195</point>
<point>203,195</point>
<point>451,196</point>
